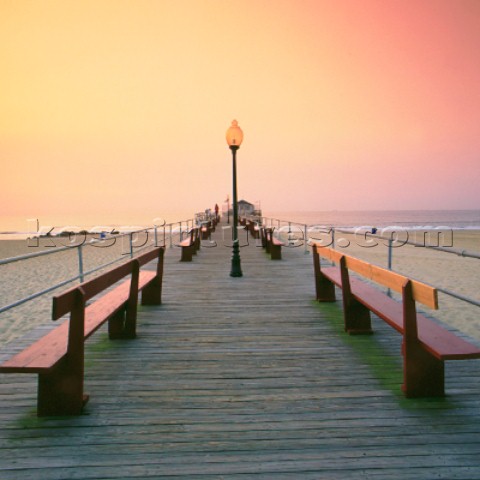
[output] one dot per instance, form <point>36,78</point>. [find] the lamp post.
<point>228,209</point>
<point>234,140</point>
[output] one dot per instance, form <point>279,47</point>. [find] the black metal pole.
<point>236,270</point>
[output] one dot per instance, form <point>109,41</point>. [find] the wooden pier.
<point>245,378</point>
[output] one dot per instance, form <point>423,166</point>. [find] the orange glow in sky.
<point>117,109</point>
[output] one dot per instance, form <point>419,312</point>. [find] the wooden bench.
<point>253,229</point>
<point>273,245</point>
<point>206,230</point>
<point>58,356</point>
<point>426,344</point>
<point>189,245</point>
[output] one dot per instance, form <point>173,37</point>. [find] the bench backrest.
<point>423,293</point>
<point>63,303</point>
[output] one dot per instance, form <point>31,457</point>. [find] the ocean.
<point>458,229</point>
<point>422,219</point>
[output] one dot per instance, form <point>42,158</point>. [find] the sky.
<point>115,111</point>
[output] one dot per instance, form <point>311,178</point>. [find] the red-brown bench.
<point>254,229</point>
<point>206,230</point>
<point>426,344</point>
<point>58,356</point>
<point>272,244</point>
<point>190,245</point>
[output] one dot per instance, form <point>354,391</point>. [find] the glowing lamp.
<point>234,135</point>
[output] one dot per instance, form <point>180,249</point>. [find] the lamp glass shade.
<point>234,135</point>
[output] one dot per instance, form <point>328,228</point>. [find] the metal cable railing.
<point>281,226</point>
<point>166,232</point>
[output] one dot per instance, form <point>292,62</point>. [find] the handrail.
<point>38,294</point>
<point>183,226</point>
<point>265,220</point>
<point>27,256</point>
<point>462,253</point>
<point>458,296</point>
<point>332,230</point>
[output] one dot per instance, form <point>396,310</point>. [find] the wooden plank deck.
<point>245,378</point>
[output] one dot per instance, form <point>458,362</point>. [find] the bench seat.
<point>277,242</point>
<point>185,243</point>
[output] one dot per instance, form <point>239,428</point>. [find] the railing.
<point>391,246</point>
<point>130,240</point>
<point>295,232</point>
<point>300,234</point>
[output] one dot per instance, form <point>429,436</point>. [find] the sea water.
<point>455,219</point>
<point>458,229</point>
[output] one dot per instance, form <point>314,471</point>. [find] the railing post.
<point>390,245</point>
<point>289,236</point>
<point>131,244</point>
<point>390,251</point>
<point>305,233</point>
<point>171,234</point>
<point>80,263</point>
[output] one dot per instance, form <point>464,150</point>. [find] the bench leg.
<point>61,392</point>
<point>275,252</point>
<point>324,288</point>
<point>152,293</point>
<point>357,318</point>
<point>187,254</point>
<point>116,325</point>
<point>120,326</point>
<point>423,374</point>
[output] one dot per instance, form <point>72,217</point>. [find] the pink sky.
<point>116,111</point>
